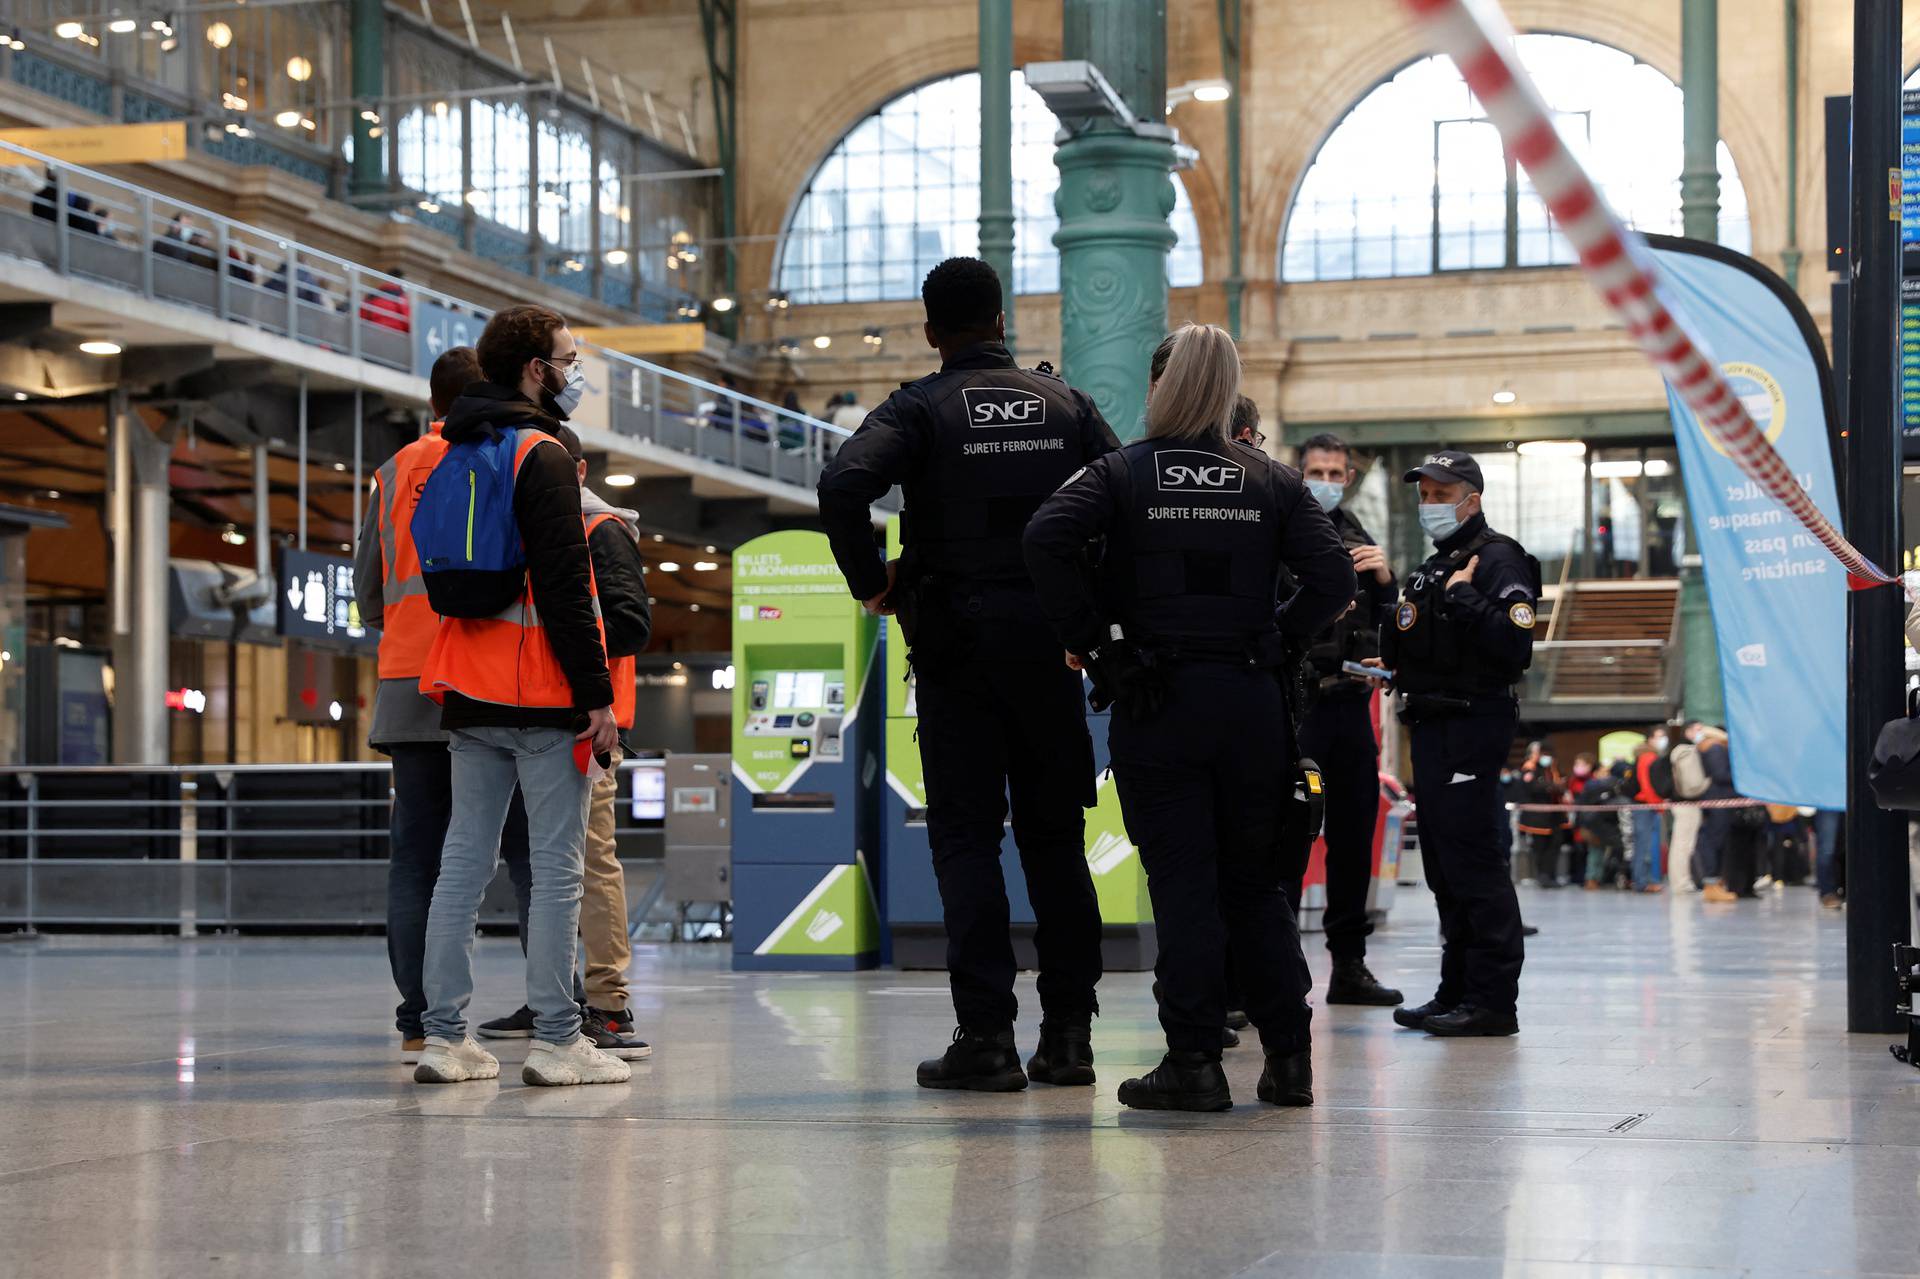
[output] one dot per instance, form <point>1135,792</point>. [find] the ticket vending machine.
<point>806,761</point>
<point>914,920</point>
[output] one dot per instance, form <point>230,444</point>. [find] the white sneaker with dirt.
<point>445,1062</point>
<point>558,1065</point>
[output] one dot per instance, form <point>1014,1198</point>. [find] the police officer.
<point>1460,638</point>
<point>1337,732</point>
<point>976,447</point>
<point>1178,626</point>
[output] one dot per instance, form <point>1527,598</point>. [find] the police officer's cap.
<point>1449,466</point>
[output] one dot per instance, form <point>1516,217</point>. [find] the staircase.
<point>1610,653</point>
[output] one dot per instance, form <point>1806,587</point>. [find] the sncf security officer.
<point>1337,732</point>
<point>977,446</point>
<point>1178,624</point>
<point>1459,640</point>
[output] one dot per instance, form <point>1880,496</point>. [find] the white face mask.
<point>1441,520</point>
<point>567,398</point>
<point>1327,493</point>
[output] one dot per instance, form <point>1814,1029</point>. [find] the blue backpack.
<point>471,555</point>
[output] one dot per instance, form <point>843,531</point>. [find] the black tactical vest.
<point>1003,440</point>
<point>1429,650</point>
<point>1194,555</point>
<point>1355,635</point>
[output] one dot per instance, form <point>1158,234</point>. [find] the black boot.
<point>1470,1020</point>
<point>1182,1081</point>
<point>1352,983</point>
<point>1288,1079</point>
<point>1416,1018</point>
<point>976,1062</point>
<point>1065,1054</point>
<point>1237,1019</point>
<point>1229,1037</point>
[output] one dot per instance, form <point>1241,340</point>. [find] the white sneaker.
<point>1762,883</point>
<point>445,1062</point>
<point>557,1065</point>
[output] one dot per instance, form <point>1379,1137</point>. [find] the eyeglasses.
<point>563,363</point>
<point>1258,439</point>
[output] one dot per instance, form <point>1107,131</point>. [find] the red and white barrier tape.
<point>1665,805</point>
<point>1475,34</point>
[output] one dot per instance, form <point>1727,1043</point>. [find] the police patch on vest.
<point>1405,615</point>
<point>1196,471</point>
<point>1522,616</point>
<point>997,406</point>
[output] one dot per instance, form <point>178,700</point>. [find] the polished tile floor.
<point>1683,1100</point>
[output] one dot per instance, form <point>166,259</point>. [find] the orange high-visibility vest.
<point>623,669</point>
<point>504,659</point>
<point>407,631</point>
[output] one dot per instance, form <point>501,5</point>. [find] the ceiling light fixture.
<point>669,566</point>
<point>822,342</point>
<point>619,480</point>
<point>100,347</point>
<point>219,34</point>
<point>704,566</point>
<point>721,305</point>
<point>123,26</point>
<point>299,69</point>
<point>69,30</point>
<point>1552,448</point>
<point>287,119</point>
<point>1504,396</point>
<point>616,257</point>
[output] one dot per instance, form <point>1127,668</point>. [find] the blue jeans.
<point>422,807</point>
<point>486,764</point>
<point>1826,849</point>
<point>1646,847</point>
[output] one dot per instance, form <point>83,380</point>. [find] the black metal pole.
<point>1877,887</point>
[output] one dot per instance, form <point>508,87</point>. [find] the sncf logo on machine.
<point>1194,471</point>
<point>1003,406</point>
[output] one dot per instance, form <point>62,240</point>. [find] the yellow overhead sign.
<point>648,339</point>
<point>101,144</point>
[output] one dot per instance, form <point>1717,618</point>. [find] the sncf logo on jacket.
<point>1196,471</point>
<point>995,406</point>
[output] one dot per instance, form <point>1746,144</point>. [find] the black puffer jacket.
<point>546,505</point>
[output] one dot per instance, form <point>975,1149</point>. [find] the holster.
<point>1425,706</point>
<point>1302,814</point>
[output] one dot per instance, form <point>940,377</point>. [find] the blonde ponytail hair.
<point>1195,397</point>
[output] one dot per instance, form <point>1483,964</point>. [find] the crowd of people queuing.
<point>1605,821</point>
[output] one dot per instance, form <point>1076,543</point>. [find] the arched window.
<point>1415,180</point>
<point>902,191</point>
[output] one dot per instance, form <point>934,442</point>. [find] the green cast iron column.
<point>1700,220</point>
<point>1230,14</point>
<point>1700,121</point>
<point>996,145</point>
<point>1116,191</point>
<point>368,53</point>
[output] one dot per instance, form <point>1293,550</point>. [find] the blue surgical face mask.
<point>1441,520</point>
<point>1327,492</point>
<point>563,402</point>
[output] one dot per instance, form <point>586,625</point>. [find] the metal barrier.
<point>220,846</point>
<point>89,225</point>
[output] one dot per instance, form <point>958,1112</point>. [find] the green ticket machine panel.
<point>806,760</point>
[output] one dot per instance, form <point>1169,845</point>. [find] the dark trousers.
<point>990,732</point>
<point>1710,848</point>
<point>1741,853</point>
<point>422,807</point>
<point>1204,808</point>
<point>1337,735</point>
<point>1456,782</point>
